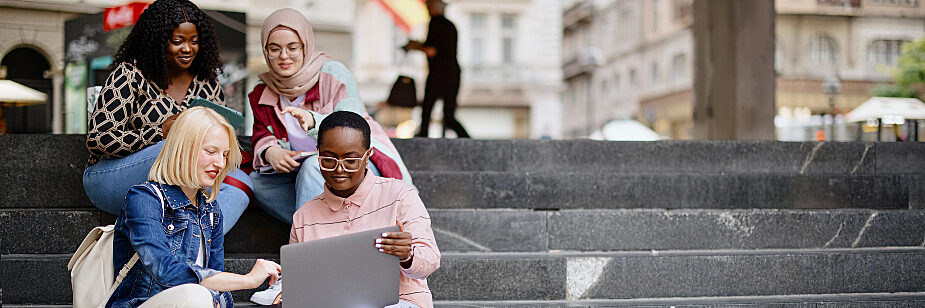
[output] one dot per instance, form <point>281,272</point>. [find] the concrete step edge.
<point>578,254</point>
<point>661,173</point>
<point>767,299</point>
<point>764,299</point>
<point>685,252</point>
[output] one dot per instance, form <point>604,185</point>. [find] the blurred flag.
<point>407,14</point>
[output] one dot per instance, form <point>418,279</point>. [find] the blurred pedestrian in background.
<point>443,77</point>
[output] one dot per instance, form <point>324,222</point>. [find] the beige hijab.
<point>307,76</point>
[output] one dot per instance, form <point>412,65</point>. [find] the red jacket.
<point>265,120</point>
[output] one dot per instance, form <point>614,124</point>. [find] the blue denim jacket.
<point>167,243</point>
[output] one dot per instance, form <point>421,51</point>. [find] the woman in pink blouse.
<point>354,200</point>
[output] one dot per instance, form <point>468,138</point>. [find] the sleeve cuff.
<point>203,272</point>
<point>313,132</point>
<point>259,152</point>
<point>416,265</point>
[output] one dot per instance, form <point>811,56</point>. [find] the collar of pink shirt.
<point>358,197</point>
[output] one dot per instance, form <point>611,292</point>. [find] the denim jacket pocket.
<point>175,225</point>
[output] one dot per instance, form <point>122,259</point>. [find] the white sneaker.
<point>267,296</point>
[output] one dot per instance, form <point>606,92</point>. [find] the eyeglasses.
<point>328,163</point>
<point>294,51</point>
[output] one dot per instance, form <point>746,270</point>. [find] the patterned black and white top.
<point>128,114</point>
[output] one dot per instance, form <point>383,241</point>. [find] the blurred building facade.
<point>509,52</point>
<point>633,58</point>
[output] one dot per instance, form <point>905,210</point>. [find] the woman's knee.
<point>310,170</point>
<point>235,192</point>
<point>189,295</point>
<point>309,182</point>
<point>372,168</point>
<point>239,175</point>
<point>107,181</point>
<point>194,295</point>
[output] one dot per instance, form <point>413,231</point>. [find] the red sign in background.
<point>123,15</point>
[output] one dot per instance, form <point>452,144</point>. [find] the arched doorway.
<point>27,67</point>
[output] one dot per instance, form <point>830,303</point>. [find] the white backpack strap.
<point>122,273</point>
<point>131,262</point>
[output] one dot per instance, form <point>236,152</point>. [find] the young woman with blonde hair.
<point>174,223</point>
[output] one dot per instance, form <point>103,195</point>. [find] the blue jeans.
<point>281,194</point>
<point>107,181</point>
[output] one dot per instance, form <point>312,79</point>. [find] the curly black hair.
<point>146,45</point>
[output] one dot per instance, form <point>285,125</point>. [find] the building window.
<point>683,9</point>
<point>605,91</point>
<point>477,23</point>
<point>655,15</point>
<point>841,3</point>
<point>903,3</point>
<point>626,24</point>
<point>508,21</point>
<point>885,52</point>
<point>778,56</point>
<point>654,74</point>
<point>634,81</point>
<point>507,50</point>
<point>508,32</point>
<point>615,89</point>
<point>610,22</point>
<point>823,50</point>
<point>679,67</point>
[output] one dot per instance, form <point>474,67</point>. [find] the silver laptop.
<point>341,271</point>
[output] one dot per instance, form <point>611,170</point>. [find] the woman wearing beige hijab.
<point>301,88</point>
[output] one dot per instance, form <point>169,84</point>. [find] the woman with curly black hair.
<point>170,57</point>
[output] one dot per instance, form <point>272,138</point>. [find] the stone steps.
<point>566,276</point>
<point>461,174</point>
<point>480,230</point>
<point>584,156</point>
<point>879,300</point>
<point>572,190</point>
<point>698,157</point>
<point>450,155</point>
<point>525,223</point>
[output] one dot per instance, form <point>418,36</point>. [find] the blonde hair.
<point>178,160</point>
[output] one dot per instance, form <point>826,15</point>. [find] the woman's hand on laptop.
<point>263,269</point>
<point>397,244</point>
<point>226,281</point>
